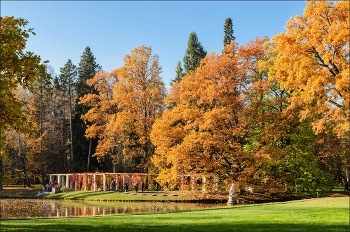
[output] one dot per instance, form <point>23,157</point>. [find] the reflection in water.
<point>24,208</point>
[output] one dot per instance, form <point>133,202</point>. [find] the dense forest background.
<point>273,112</point>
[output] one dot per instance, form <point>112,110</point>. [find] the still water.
<point>26,208</point>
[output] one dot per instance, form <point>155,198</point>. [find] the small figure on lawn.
<point>136,186</point>
<point>142,186</point>
<point>126,186</point>
<point>113,185</point>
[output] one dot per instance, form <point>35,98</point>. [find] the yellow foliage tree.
<point>312,59</point>
<point>139,96</point>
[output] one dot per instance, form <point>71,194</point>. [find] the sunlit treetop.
<point>312,59</point>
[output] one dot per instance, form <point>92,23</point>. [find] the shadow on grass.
<point>52,226</point>
<point>77,195</point>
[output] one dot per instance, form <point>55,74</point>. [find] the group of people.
<point>136,186</point>
<point>48,187</point>
<point>114,186</point>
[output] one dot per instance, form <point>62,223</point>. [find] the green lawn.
<point>120,196</point>
<point>322,214</point>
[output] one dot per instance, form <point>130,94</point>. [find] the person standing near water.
<point>136,186</point>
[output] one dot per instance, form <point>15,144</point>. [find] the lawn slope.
<point>321,214</point>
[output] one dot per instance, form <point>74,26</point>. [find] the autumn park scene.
<point>254,138</point>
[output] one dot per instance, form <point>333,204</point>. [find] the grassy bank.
<point>176,196</point>
<point>20,192</point>
<point>132,196</point>
<point>322,214</point>
<point>165,196</point>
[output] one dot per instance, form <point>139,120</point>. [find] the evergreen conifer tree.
<point>228,31</point>
<point>66,83</point>
<point>86,70</point>
<point>194,53</point>
<point>179,73</point>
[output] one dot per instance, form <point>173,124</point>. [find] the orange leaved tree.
<point>100,116</point>
<point>139,96</point>
<point>312,60</point>
<point>205,127</point>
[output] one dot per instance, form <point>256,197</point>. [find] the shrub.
<point>64,189</point>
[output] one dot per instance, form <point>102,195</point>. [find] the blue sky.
<point>113,28</point>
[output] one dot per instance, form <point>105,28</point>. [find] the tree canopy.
<point>139,96</point>
<point>194,53</point>
<point>312,58</point>
<point>18,68</point>
<point>228,31</point>
<point>178,73</point>
<point>87,69</point>
<point>205,131</point>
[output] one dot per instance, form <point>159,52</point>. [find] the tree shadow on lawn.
<point>78,195</point>
<point>50,225</point>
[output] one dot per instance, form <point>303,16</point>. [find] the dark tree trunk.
<point>41,132</point>
<point>1,188</point>
<point>26,181</point>
<point>71,130</point>
<point>89,156</point>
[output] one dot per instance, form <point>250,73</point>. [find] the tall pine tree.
<point>228,31</point>
<point>179,73</point>
<point>86,70</point>
<point>66,84</point>
<point>194,53</point>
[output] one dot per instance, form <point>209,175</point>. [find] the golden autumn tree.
<point>101,114</point>
<point>312,60</point>
<point>17,68</point>
<point>139,96</point>
<point>205,127</point>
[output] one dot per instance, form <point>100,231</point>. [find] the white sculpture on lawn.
<point>231,195</point>
<point>232,190</point>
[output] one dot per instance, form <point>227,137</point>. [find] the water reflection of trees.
<point>26,208</point>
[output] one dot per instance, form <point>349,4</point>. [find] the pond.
<point>27,208</point>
